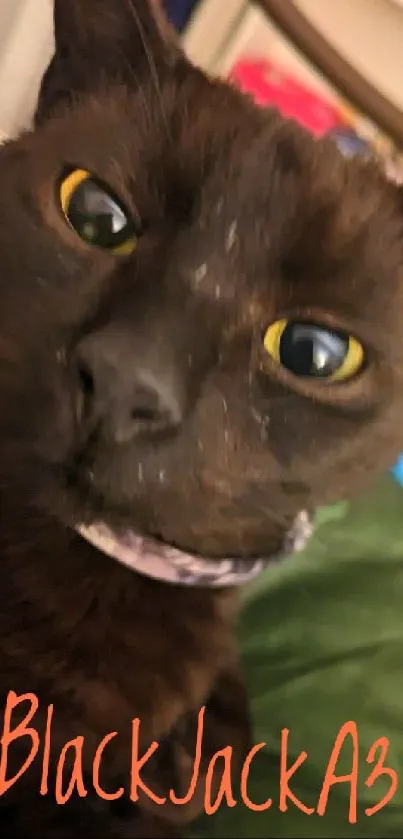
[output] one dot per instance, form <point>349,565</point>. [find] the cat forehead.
<point>190,127</point>
<point>173,117</point>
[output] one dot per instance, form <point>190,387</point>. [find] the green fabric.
<point>322,639</point>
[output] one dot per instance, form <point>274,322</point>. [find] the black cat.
<point>200,341</point>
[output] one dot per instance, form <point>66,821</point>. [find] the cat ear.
<point>97,41</point>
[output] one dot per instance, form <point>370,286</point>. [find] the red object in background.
<point>272,86</point>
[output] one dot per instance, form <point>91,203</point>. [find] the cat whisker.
<point>153,68</point>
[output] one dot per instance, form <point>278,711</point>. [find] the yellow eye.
<point>96,214</point>
<point>309,350</point>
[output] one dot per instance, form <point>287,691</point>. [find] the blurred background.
<point>243,40</point>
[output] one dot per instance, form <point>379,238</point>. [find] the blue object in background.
<point>350,143</point>
<point>179,12</point>
<point>397,471</point>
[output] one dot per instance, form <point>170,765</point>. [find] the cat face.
<point>201,316</point>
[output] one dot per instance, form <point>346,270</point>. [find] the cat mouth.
<point>151,558</point>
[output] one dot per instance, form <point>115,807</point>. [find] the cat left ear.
<point>99,41</point>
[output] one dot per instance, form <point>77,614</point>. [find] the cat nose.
<point>123,396</point>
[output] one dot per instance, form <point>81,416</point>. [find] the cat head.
<point>201,317</point>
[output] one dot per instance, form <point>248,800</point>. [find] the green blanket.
<point>322,639</point>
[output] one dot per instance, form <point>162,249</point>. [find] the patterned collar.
<point>169,565</point>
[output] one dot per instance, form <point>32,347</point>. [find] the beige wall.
<point>26,42</point>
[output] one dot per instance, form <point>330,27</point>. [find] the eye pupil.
<point>307,350</point>
<point>96,214</point>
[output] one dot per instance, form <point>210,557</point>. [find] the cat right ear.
<point>103,41</point>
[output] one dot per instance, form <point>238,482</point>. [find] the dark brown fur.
<point>246,219</point>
